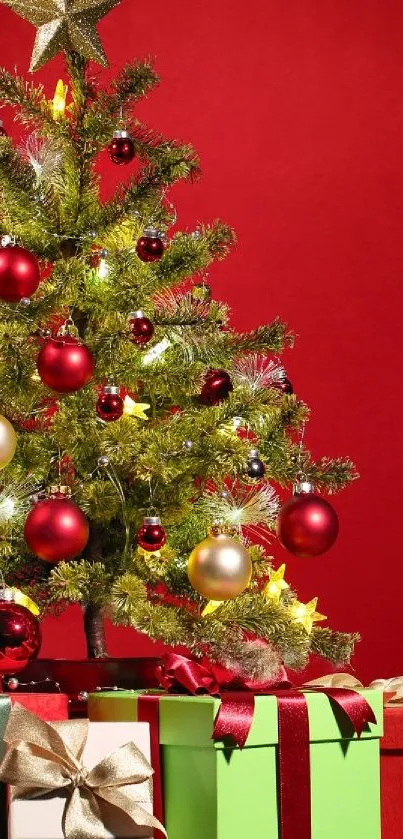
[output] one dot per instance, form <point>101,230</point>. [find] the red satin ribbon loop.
<point>352,704</point>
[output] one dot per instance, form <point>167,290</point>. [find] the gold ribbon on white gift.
<point>391,688</point>
<point>44,758</point>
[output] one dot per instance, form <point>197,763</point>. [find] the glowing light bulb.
<point>103,269</point>
<point>156,352</point>
<point>59,100</point>
<point>7,507</point>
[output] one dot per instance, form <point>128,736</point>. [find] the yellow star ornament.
<point>210,607</point>
<point>64,25</point>
<point>135,409</point>
<point>276,584</point>
<point>306,614</point>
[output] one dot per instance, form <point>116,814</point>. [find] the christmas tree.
<point>138,429</point>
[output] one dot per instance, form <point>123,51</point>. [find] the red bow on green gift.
<point>178,673</point>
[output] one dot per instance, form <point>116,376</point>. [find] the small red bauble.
<point>217,386</point>
<point>151,536</point>
<point>3,132</point>
<point>19,273</point>
<point>121,148</point>
<point>56,529</point>
<point>65,364</point>
<point>141,328</point>
<point>20,634</point>
<point>283,384</point>
<point>150,247</point>
<point>307,524</point>
<point>109,406</point>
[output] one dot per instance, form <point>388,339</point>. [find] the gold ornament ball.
<point>8,442</point>
<point>219,567</point>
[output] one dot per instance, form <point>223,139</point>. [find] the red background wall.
<point>296,109</point>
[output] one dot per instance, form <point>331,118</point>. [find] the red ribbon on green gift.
<point>179,674</point>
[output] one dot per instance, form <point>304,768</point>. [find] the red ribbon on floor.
<point>178,673</point>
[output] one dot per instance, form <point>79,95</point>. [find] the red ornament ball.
<point>20,635</point>
<point>284,385</point>
<point>307,525</point>
<point>141,328</point>
<point>121,148</point>
<point>109,406</point>
<point>56,529</point>
<point>65,364</point>
<point>151,536</point>
<point>3,132</point>
<point>19,273</point>
<point>150,247</point>
<point>217,387</point>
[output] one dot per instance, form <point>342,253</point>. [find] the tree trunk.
<point>94,631</point>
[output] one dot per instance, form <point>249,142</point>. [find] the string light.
<point>59,100</point>
<point>306,614</point>
<point>156,352</point>
<point>7,508</point>
<point>103,269</point>
<point>135,409</point>
<point>276,584</point>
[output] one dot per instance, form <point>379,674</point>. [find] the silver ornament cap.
<point>302,488</point>
<point>119,134</point>
<point>137,314</point>
<point>112,389</point>
<point>152,233</point>
<point>254,453</point>
<point>6,595</point>
<point>152,520</point>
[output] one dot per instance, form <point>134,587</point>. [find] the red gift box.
<point>392,773</point>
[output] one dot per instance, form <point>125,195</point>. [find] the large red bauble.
<point>307,525</point>
<point>20,637</point>
<point>56,529</point>
<point>65,364</point>
<point>19,273</point>
<point>151,536</point>
<point>216,388</point>
<point>121,148</point>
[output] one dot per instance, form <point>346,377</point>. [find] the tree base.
<point>77,677</point>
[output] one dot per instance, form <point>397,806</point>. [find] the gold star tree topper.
<point>306,614</point>
<point>67,25</point>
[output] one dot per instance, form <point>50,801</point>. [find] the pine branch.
<point>31,102</point>
<point>331,475</point>
<point>134,81</point>
<point>336,647</point>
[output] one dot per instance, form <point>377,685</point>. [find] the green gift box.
<point>213,791</point>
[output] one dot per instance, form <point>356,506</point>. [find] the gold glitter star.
<point>64,25</point>
<point>276,584</point>
<point>306,614</point>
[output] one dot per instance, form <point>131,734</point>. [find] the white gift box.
<point>41,818</point>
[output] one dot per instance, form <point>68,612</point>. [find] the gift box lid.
<point>188,720</point>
